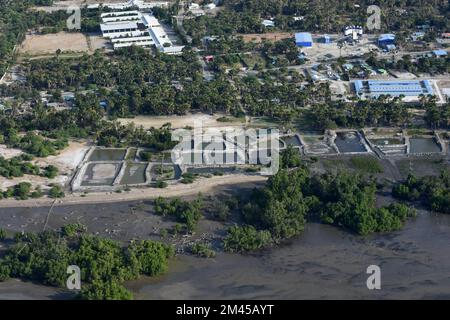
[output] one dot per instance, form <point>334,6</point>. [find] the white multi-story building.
<point>140,4</point>
<point>128,28</point>
<point>120,29</point>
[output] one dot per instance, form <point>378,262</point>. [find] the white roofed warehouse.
<point>133,28</point>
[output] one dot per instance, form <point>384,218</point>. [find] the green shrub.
<point>56,191</point>
<point>161,184</point>
<point>247,238</point>
<point>73,229</point>
<point>203,250</point>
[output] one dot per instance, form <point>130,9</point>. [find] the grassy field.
<point>367,165</point>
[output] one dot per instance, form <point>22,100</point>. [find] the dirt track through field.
<point>203,185</point>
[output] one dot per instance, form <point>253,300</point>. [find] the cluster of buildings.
<point>196,10</point>
<point>139,4</point>
<point>133,28</point>
<point>354,32</point>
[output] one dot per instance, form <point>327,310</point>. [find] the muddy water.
<point>349,142</point>
<point>323,263</point>
<point>107,155</point>
<point>134,174</point>
<point>292,141</point>
<point>424,145</point>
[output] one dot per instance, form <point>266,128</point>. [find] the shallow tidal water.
<point>323,263</point>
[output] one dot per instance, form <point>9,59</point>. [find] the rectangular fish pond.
<point>315,144</point>
<point>349,142</point>
<point>424,145</point>
<point>100,174</point>
<point>100,154</point>
<point>293,141</point>
<point>134,174</point>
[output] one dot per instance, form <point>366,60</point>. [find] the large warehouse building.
<point>411,89</point>
<point>303,39</point>
<point>133,28</point>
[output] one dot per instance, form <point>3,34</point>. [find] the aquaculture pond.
<point>349,142</point>
<point>292,141</point>
<point>134,174</point>
<point>424,145</point>
<point>108,155</point>
<point>315,143</point>
<point>103,174</point>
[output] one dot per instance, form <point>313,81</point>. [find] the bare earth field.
<point>63,5</point>
<point>9,153</point>
<point>50,43</point>
<point>272,36</point>
<point>207,121</point>
<point>98,42</point>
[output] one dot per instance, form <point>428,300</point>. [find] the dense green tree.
<point>246,238</point>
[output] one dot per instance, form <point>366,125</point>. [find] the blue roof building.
<point>407,88</point>
<point>303,39</point>
<point>386,39</point>
<point>440,53</point>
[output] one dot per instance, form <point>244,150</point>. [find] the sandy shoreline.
<point>202,185</point>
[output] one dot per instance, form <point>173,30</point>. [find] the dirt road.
<point>202,185</point>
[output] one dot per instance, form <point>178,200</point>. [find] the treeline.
<point>85,120</point>
<point>431,191</point>
<point>44,257</point>
<point>290,198</point>
<point>33,144</point>
<point>384,111</point>
<point>16,19</point>
<point>25,191</point>
<point>19,166</point>
<point>133,82</point>
<point>22,191</point>
<point>431,65</point>
<point>151,89</point>
<point>437,116</point>
<point>244,16</point>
